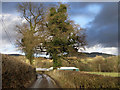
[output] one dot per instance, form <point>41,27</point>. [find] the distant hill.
<point>83,54</point>
<point>94,54</point>
<point>14,55</point>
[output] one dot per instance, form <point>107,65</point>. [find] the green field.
<point>112,74</point>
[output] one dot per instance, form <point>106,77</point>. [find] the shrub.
<point>15,73</point>
<point>99,64</point>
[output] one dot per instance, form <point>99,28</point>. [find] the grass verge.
<point>111,74</point>
<point>73,79</point>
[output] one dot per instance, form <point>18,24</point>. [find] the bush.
<point>99,64</point>
<point>15,73</point>
<point>39,63</point>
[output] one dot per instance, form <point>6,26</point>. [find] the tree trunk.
<point>55,62</point>
<point>31,63</point>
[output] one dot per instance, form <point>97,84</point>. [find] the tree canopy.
<point>63,35</point>
<point>52,31</point>
<point>28,38</point>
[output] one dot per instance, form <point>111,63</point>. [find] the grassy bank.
<point>73,79</point>
<point>111,74</point>
<point>15,73</point>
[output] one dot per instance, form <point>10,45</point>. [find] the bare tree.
<point>29,38</point>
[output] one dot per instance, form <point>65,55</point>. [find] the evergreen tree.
<point>63,35</point>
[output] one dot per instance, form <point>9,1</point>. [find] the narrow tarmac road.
<point>44,81</point>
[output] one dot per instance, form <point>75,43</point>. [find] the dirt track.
<point>44,81</point>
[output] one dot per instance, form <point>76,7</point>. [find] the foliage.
<point>63,35</point>
<point>53,32</point>
<point>15,73</point>
<point>43,63</point>
<point>109,64</point>
<point>96,64</point>
<point>28,37</point>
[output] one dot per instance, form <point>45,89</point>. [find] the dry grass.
<point>15,73</point>
<point>73,79</point>
<point>71,58</point>
<point>111,74</point>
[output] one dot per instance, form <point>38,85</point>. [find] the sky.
<point>99,19</point>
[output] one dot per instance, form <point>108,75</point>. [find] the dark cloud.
<point>104,28</point>
<point>80,8</point>
<point>11,7</point>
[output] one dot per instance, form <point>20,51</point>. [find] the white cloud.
<point>101,49</point>
<point>8,25</point>
<point>94,8</point>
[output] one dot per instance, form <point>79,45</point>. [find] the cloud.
<point>104,28</point>
<point>101,49</point>
<point>85,9</point>
<point>83,13</point>
<point>8,32</point>
<point>101,23</point>
<point>8,25</point>
<point>100,19</point>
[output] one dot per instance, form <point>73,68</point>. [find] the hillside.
<point>14,55</point>
<point>94,54</point>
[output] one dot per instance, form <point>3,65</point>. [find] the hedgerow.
<point>15,73</point>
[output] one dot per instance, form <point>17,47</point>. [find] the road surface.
<point>44,81</point>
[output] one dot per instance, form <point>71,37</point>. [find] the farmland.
<point>60,45</point>
<point>93,64</point>
<point>85,78</point>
